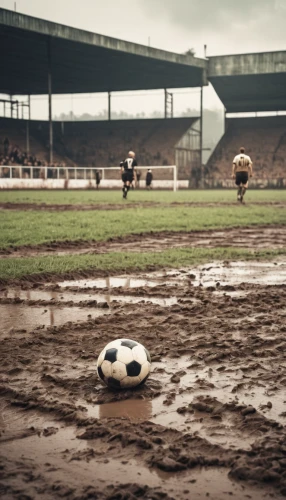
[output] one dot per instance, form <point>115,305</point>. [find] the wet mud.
<point>252,238</point>
<point>122,206</point>
<point>209,422</point>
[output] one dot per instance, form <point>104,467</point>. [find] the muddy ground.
<point>251,238</point>
<point>122,206</point>
<point>210,421</point>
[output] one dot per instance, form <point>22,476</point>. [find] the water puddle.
<point>61,307</point>
<point>136,410</point>
<point>19,318</point>
<point>62,458</point>
<point>14,422</point>
<point>233,383</point>
<point>231,293</point>
<point>66,296</point>
<point>47,295</point>
<point>231,386</point>
<point>233,273</point>
<point>121,281</point>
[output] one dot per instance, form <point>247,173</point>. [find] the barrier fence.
<point>29,172</point>
<point>78,177</point>
<point>17,177</point>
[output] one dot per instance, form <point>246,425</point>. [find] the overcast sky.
<point>225,26</point>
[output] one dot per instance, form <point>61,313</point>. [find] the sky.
<point>224,26</point>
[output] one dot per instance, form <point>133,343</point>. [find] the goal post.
<point>22,177</point>
<point>166,175</point>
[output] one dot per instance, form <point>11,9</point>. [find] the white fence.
<point>81,184</point>
<point>26,177</point>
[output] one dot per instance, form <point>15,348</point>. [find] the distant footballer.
<point>241,167</point>
<point>128,172</point>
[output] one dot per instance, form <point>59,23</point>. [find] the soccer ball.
<point>124,363</point>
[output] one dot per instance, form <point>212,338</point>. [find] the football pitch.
<point>195,277</point>
<point>31,220</point>
<point>139,195</point>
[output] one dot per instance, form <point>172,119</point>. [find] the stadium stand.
<point>100,144</point>
<point>97,144</point>
<point>15,132</point>
<point>103,144</point>
<point>77,62</point>
<point>264,139</point>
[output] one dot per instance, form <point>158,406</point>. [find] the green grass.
<point>34,227</point>
<point>141,196</point>
<point>119,262</point>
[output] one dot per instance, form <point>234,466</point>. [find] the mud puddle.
<point>207,275</point>
<point>173,409</point>
<point>17,424</point>
<point>78,298</point>
<point>234,273</point>
<point>63,468</point>
<point>117,282</point>
<point>250,238</point>
<point>20,319</point>
<point>54,461</point>
<point>136,410</point>
<point>216,391</point>
<point>228,273</point>
<point>255,388</point>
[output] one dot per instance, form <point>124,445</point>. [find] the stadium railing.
<point>87,174</point>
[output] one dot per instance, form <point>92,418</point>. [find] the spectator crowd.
<point>13,156</point>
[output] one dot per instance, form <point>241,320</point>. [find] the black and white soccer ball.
<point>124,363</point>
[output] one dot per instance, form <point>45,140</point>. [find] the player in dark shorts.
<point>241,166</point>
<point>149,178</point>
<point>128,172</point>
<point>97,178</point>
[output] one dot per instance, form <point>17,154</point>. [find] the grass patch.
<point>34,227</point>
<point>120,262</point>
<point>141,196</point>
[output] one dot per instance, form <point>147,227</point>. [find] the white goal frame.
<point>161,167</point>
<point>61,174</point>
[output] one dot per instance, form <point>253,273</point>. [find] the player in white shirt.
<point>241,167</point>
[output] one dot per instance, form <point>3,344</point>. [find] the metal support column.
<point>109,106</point>
<point>165,112</point>
<point>50,101</point>
<point>28,127</point>
<point>28,136</point>
<point>224,120</point>
<point>201,127</point>
<point>29,106</point>
<point>11,105</point>
<point>172,105</point>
